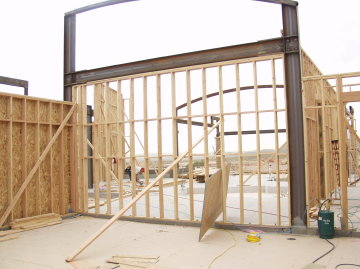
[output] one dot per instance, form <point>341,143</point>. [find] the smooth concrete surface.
<point>177,247</point>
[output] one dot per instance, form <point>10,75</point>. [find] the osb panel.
<point>56,173</point>
<point>55,113</point>
<point>17,109</point>
<point>213,200</point>
<point>313,180</point>
<point>31,110</point>
<point>66,109</point>
<point>44,112</point>
<point>45,172</point>
<point>4,107</point>
<point>38,192</point>
<point>31,160</point>
<point>4,166</point>
<point>17,169</point>
<point>67,172</point>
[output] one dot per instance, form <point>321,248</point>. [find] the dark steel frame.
<point>287,44</point>
<point>16,82</point>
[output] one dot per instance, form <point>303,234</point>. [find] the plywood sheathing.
<point>214,199</point>
<point>26,127</point>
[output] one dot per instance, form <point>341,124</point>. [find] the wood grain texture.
<point>23,200</point>
<point>213,200</point>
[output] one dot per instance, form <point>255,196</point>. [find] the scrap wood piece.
<point>135,199</point>
<point>213,200</point>
<point>9,238</point>
<point>36,166</point>
<point>131,263</point>
<point>8,232</point>
<point>32,226</point>
<point>139,259</point>
<point>38,218</point>
<point>36,221</point>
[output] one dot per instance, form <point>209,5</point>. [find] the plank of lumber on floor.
<point>37,218</point>
<point>36,221</point>
<point>8,238</point>
<point>131,263</point>
<point>34,225</point>
<point>134,259</point>
<point>8,232</point>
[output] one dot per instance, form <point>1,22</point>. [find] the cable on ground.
<point>226,250</point>
<point>322,256</point>
<point>347,264</point>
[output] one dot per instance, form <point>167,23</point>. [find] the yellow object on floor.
<point>253,237</point>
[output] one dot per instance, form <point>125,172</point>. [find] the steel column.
<point>69,53</point>
<point>292,64</point>
<point>97,5</point>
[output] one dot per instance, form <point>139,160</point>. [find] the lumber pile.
<point>35,222</point>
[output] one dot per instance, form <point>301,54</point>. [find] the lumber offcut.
<point>36,221</point>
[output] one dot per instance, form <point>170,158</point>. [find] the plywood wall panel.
<point>45,172</point>
<point>67,168</point>
<point>16,169</point>
<point>55,113</point>
<point>4,163</point>
<point>44,112</point>
<point>4,107</point>
<point>31,160</point>
<point>31,111</point>
<point>27,125</point>
<point>17,109</point>
<point>55,173</point>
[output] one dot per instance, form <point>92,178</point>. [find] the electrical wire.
<point>322,256</point>
<point>324,203</point>
<point>226,250</point>
<point>346,264</point>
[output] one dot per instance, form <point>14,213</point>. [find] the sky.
<point>31,46</point>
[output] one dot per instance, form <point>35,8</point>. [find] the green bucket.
<point>326,224</point>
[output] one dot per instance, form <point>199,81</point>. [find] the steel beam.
<point>292,63</point>
<point>97,5</point>
<point>15,82</point>
<point>261,48</point>
<point>228,91</point>
<point>283,2</point>
<point>271,131</point>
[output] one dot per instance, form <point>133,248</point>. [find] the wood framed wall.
<point>136,122</point>
<point>332,143</point>
<point>27,126</point>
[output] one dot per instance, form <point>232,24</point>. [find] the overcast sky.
<point>31,46</point>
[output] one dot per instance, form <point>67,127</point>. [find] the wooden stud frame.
<point>324,97</point>
<point>161,93</point>
<point>35,148</point>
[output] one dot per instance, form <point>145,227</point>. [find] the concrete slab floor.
<point>177,247</point>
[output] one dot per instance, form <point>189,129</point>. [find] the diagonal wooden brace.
<point>133,201</point>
